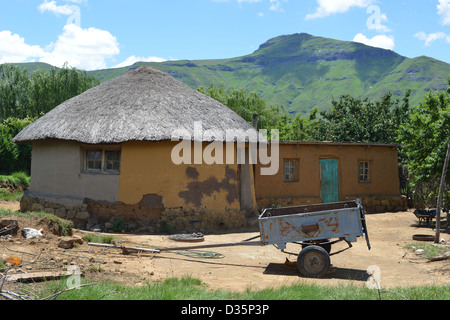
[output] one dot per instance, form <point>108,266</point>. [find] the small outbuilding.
<point>324,172</point>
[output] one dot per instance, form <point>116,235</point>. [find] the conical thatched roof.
<point>144,104</point>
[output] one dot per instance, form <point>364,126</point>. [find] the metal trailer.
<point>312,226</point>
<point>315,228</point>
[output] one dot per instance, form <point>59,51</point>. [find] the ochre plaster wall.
<point>147,170</point>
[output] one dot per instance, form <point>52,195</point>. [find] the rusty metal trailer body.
<point>314,227</point>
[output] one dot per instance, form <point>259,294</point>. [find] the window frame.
<point>104,161</point>
<point>364,171</point>
<point>291,164</point>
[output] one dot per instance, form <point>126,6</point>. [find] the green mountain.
<point>301,71</point>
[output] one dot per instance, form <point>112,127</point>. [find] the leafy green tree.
<point>355,120</point>
<point>14,86</point>
<point>23,94</point>
<point>13,157</point>
<point>293,128</point>
<point>426,135</point>
<point>246,104</point>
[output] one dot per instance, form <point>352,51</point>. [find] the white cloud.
<point>14,49</point>
<point>379,41</point>
<point>275,5</point>
<point>133,59</point>
<point>52,7</point>
<point>86,49</point>
<point>330,7</point>
<point>82,48</point>
<point>444,11</point>
<point>429,38</point>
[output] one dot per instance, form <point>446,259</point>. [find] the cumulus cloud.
<point>330,7</point>
<point>444,11</point>
<point>54,8</point>
<point>82,48</point>
<point>87,49</point>
<point>431,37</point>
<point>14,49</point>
<point>133,59</point>
<point>379,41</point>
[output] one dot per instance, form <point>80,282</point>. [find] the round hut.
<point>145,152</point>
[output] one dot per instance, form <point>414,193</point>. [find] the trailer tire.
<point>313,261</point>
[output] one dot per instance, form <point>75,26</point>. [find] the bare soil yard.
<point>240,267</point>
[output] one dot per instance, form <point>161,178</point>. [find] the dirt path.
<point>242,267</point>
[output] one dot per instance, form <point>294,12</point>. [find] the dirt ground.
<point>238,268</point>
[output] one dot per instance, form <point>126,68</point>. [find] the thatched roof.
<point>144,104</point>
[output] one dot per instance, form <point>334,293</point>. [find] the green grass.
<point>61,226</point>
<point>17,179</point>
<point>6,195</point>
<point>430,250</point>
<point>189,288</point>
<point>12,186</point>
<point>95,238</point>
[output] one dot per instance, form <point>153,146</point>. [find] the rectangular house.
<point>324,172</point>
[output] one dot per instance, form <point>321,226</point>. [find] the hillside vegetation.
<point>301,71</point>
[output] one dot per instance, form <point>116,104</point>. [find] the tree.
<point>355,120</point>
<point>13,157</point>
<point>293,128</point>
<point>246,104</point>
<point>425,137</point>
<point>23,94</point>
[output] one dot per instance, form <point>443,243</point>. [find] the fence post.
<point>441,191</point>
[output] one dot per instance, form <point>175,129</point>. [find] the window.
<point>289,171</point>
<point>94,160</point>
<point>103,161</point>
<point>364,170</point>
<point>112,162</point>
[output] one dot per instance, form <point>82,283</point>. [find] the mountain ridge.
<point>301,71</point>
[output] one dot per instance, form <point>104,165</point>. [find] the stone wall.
<point>139,218</point>
<point>176,219</point>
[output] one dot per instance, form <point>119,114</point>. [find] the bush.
<point>13,157</point>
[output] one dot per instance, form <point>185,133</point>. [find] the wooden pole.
<point>441,191</point>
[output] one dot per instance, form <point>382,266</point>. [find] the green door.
<point>329,180</point>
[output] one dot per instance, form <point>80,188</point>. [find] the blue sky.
<point>98,34</point>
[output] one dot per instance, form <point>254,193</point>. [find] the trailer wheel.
<point>313,261</point>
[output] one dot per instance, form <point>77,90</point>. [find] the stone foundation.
<point>372,204</point>
<point>139,218</point>
<point>176,219</point>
